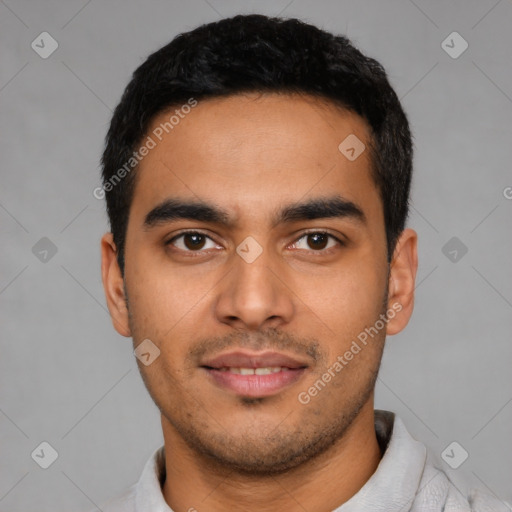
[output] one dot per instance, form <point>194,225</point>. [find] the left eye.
<point>317,241</point>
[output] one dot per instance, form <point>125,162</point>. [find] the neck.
<point>321,484</point>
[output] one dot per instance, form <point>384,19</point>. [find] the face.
<point>255,260</point>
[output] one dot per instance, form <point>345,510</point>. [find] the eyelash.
<point>303,235</point>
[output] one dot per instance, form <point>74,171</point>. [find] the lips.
<point>247,360</point>
<point>254,374</point>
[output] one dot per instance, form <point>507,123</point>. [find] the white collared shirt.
<point>403,481</point>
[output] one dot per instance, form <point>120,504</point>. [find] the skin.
<point>251,155</point>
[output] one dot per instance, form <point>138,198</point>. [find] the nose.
<point>254,296</point>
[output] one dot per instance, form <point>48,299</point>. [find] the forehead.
<point>251,152</point>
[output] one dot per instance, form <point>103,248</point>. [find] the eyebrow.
<point>319,208</point>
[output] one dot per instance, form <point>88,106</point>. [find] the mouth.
<point>254,375</point>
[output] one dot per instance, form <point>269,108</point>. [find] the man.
<point>257,176</point>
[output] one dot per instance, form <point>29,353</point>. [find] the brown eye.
<point>318,241</point>
<point>192,242</point>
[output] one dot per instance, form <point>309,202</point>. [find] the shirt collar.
<point>396,481</point>
<point>148,495</point>
<point>393,486</point>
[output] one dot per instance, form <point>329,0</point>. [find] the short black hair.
<point>256,53</point>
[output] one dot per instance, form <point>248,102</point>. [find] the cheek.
<point>343,302</point>
<point>346,295</point>
<point>162,297</point>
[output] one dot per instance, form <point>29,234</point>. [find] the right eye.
<point>192,241</point>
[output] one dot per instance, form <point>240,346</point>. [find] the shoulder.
<point>437,488</point>
<point>146,493</point>
<point>122,503</point>
<point>483,502</point>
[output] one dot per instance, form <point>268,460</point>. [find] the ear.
<point>113,284</point>
<point>402,278</point>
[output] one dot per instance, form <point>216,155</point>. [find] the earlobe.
<point>402,278</point>
<point>113,285</point>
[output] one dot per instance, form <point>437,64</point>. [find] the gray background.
<point>66,377</point>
